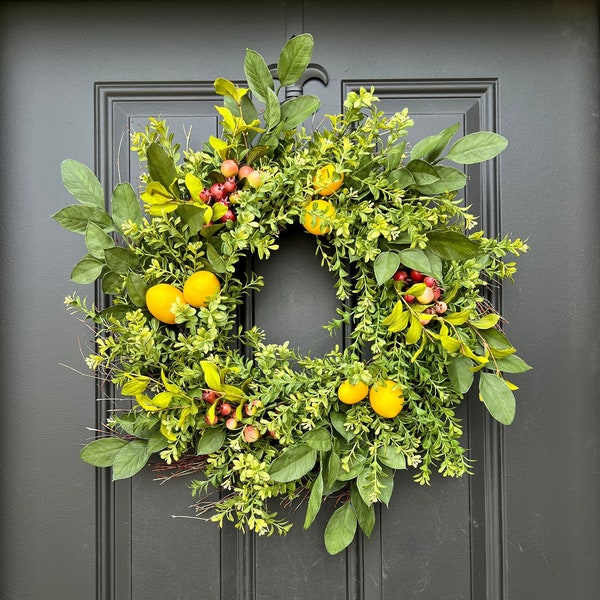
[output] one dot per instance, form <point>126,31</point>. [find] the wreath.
<point>199,393</point>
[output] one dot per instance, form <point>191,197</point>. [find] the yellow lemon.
<point>200,287</point>
<point>326,181</point>
<point>351,394</point>
<point>386,398</point>
<point>160,298</point>
<point>314,223</point>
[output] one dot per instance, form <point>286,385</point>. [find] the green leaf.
<point>215,259</point>
<point>387,479</point>
<point>211,375</point>
<point>315,501</point>
<point>211,440</point>
<point>457,318</point>
<point>131,459</point>
<point>156,442</point>
<point>452,245</point>
<point>272,109</point>
<point>430,147</point>
<point>338,421</point>
<point>161,167</point>
<point>396,316</point>
<point>395,154</point>
<point>385,265</point>
<point>422,260</point>
<point>450,343</point>
<point>365,513</point>
<point>295,111</point>
<point>497,397</point>
<point>392,457</point>
<point>413,335</point>
<point>331,465</point>
<point>496,339</point>
<point>257,74</point>
<point>136,287</point>
<point>476,147</point>
<point>97,241</point>
<point>76,217</point>
<point>423,173</point>
<point>112,283</point>
<point>294,58</point>
<point>293,463</point>
<point>125,206</point>
<point>120,260</point>
<point>451,179</point>
<point>87,270</point>
<point>82,184</point>
<point>512,364</point>
<point>340,529</point>
<point>402,177</point>
<point>486,322</point>
<point>102,452</point>
<point>318,439</point>
<point>193,217</point>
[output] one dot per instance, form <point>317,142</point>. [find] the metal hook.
<point>313,71</point>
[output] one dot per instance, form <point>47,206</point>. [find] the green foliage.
<point>259,420</point>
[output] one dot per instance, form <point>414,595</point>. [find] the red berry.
<point>409,298</point>
<point>430,281</point>
<point>217,191</point>
<point>205,195</point>
<point>225,409</point>
<point>209,396</point>
<point>417,276</point>
<point>229,185</point>
<point>437,292</point>
<point>400,275</point>
<point>211,420</point>
<point>228,216</point>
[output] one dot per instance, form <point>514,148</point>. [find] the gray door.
<point>75,76</point>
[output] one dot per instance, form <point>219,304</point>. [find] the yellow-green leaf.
<point>211,375</point>
<point>486,322</point>
<point>414,331</point>
<point>457,318</point>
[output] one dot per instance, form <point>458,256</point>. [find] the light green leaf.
<point>486,322</point>
<point>392,457</point>
<point>224,87</point>
<point>194,185</point>
<point>385,265</point>
<point>423,173</point>
<point>365,513</point>
<point>340,529</point>
<point>87,270</point>
<point>431,147</point>
<point>318,439</point>
<point>293,463</point>
<point>97,240</point>
<point>257,74</point>
<point>102,452</point>
<point>449,343</point>
<point>477,147</point>
<point>457,318</point>
<point>387,479</point>
<point>76,217</point>
<point>136,287</point>
<point>294,58</point>
<point>156,442</point>
<point>211,440</point>
<point>413,335</point>
<point>82,184</point>
<point>295,111</point>
<point>161,167</point>
<point>215,259</point>
<point>120,260</point>
<point>272,113</point>
<point>131,459</point>
<point>125,205</point>
<point>135,386</point>
<point>512,364</point>
<point>315,501</point>
<point>211,375</point>
<point>402,177</point>
<point>497,397</point>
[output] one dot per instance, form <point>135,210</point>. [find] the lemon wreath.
<point>257,420</point>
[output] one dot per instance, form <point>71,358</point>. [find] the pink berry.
<point>209,396</point>
<point>217,191</point>
<point>429,281</point>
<point>231,423</point>
<point>229,185</point>
<point>250,433</point>
<point>225,409</point>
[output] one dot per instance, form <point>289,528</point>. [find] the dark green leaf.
<point>451,179</point>
<point>496,339</point>
<point>365,513</point>
<point>387,478</point>
<point>431,147</point>
<point>193,217</point>
<point>272,113</point>
<point>338,421</point>
<point>136,287</point>
<point>211,440</point>
<point>97,241</point>
<point>315,500</point>
<point>332,465</point>
<point>118,312</point>
<point>452,245</point>
<point>402,177</point>
<point>82,184</point>
<point>76,217</point>
<point>87,270</point>
<point>293,463</point>
<point>340,529</point>
<point>257,74</point>
<point>112,283</point>
<point>215,259</point>
<point>295,111</point>
<point>459,371</point>
<point>423,173</point>
<point>120,260</point>
<point>131,459</point>
<point>102,452</point>
<point>422,260</point>
<point>256,152</point>
<point>512,364</point>
<point>392,456</point>
<point>161,167</point>
<point>385,265</point>
<point>497,397</point>
<point>318,439</point>
<point>125,206</point>
<point>477,147</point>
<point>294,58</point>
<point>157,442</point>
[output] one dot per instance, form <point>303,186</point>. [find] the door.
<point>76,76</point>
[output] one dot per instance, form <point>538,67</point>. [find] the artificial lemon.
<point>351,394</point>
<point>159,300</point>
<point>326,181</point>
<point>386,398</point>
<point>311,220</point>
<point>200,287</point>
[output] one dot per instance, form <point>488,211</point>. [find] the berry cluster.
<point>225,192</point>
<point>230,415</point>
<point>431,295</point>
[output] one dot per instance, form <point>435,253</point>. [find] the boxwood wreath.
<point>253,420</point>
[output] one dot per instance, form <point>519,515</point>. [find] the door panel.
<point>78,76</point>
